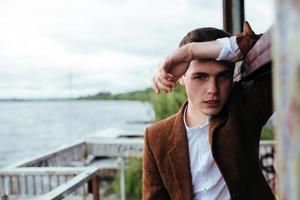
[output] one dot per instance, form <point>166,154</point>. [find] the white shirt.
<point>207,181</point>
<point>230,48</point>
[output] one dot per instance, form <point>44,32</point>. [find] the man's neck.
<point>194,117</point>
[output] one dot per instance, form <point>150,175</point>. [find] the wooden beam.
<point>32,161</point>
<point>96,188</point>
<point>233,16</point>
<point>70,186</point>
<point>260,54</point>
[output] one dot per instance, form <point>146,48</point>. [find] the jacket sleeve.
<point>253,98</point>
<point>153,187</point>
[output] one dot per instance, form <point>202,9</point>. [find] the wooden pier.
<point>73,172</point>
<point>69,172</point>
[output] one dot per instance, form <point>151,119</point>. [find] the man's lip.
<point>212,103</point>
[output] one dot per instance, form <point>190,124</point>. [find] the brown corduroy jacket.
<point>234,136</point>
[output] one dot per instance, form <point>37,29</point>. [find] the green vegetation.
<point>142,95</point>
<point>267,132</point>
<point>166,104</point>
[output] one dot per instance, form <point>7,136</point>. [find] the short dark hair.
<point>203,35</point>
<point>206,34</point>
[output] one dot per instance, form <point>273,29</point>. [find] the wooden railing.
<point>120,147</point>
<point>50,182</point>
<point>83,153</point>
<point>69,156</point>
<point>69,170</point>
<point>79,181</point>
<point>56,174</point>
<point>267,161</point>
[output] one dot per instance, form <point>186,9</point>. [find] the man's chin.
<point>211,111</point>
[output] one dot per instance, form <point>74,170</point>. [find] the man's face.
<point>208,84</point>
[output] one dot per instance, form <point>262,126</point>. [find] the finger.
<point>166,82</point>
<point>170,77</point>
<point>158,84</point>
<point>162,72</point>
<point>163,68</point>
<point>154,85</point>
<point>164,87</point>
<point>165,78</point>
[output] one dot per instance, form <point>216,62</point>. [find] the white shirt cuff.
<point>230,48</point>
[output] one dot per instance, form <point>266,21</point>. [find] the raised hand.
<point>176,64</point>
<point>171,69</point>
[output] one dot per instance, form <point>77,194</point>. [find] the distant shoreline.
<point>140,95</point>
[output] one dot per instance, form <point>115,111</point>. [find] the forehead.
<point>207,66</point>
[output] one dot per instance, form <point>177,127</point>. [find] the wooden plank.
<point>7,185</point>
<point>116,147</point>
<point>22,185</point>
<point>14,184</point>
<point>2,186</point>
<point>46,156</point>
<point>260,54</point>
<point>10,185</point>
<point>70,186</point>
<point>27,171</point>
<point>26,185</point>
<point>95,188</point>
<point>99,140</point>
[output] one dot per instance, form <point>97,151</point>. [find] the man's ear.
<point>181,81</point>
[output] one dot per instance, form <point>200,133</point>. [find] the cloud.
<point>50,47</point>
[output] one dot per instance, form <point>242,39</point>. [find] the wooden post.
<point>96,188</point>
<point>286,57</point>
<point>122,178</point>
<point>233,16</point>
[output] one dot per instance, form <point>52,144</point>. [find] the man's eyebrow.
<point>205,73</point>
<point>199,73</point>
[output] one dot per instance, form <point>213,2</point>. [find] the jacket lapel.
<point>179,157</point>
<point>214,123</point>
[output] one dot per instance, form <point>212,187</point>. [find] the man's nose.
<point>212,87</point>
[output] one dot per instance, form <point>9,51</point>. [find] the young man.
<point>209,149</point>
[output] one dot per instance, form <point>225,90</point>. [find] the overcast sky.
<point>69,48</point>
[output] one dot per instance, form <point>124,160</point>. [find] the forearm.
<point>178,62</point>
<point>205,50</point>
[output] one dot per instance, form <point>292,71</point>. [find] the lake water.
<point>34,127</point>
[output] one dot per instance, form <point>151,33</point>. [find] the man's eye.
<point>201,77</point>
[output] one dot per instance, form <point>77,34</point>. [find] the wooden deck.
<point>69,170</point>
